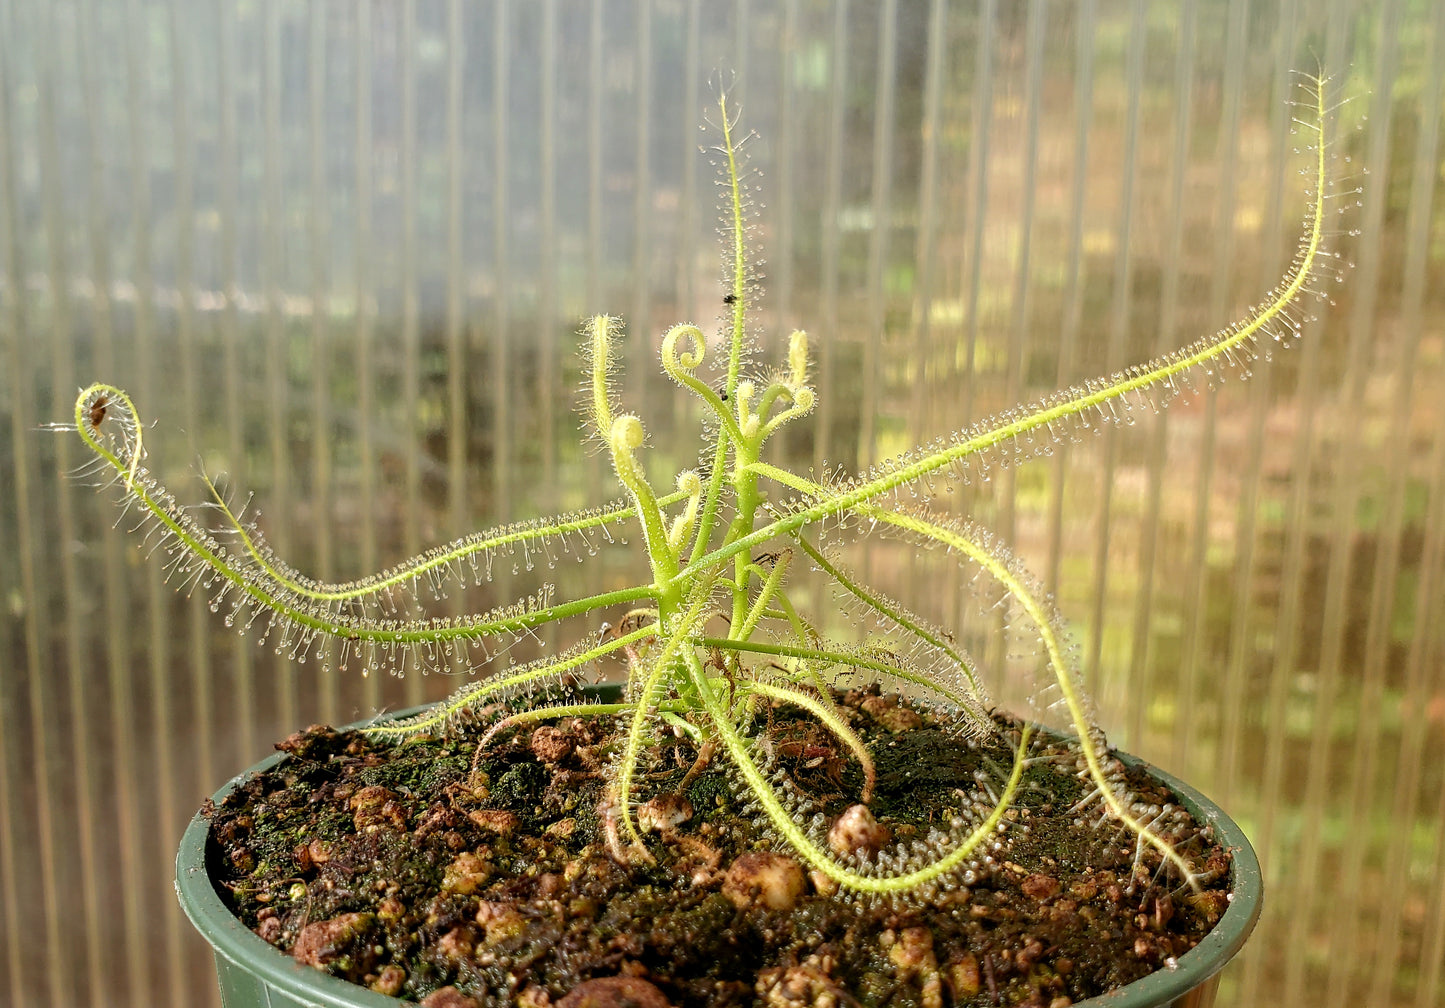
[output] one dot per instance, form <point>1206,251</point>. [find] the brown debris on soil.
<point>404,868</point>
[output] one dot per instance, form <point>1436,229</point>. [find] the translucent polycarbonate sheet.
<point>340,253</point>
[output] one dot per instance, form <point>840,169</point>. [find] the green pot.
<point>253,974</point>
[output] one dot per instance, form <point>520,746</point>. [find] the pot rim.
<point>244,950</point>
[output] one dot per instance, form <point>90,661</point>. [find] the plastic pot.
<point>253,974</point>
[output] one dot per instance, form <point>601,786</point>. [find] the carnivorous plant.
<point>714,635</point>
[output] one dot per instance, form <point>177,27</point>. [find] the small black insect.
<point>730,299</point>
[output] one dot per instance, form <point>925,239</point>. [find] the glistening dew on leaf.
<point>714,638</point>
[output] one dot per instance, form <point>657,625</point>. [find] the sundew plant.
<point>714,637</point>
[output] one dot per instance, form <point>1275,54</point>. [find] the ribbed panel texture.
<point>341,251</point>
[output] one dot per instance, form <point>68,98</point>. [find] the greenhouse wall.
<point>340,254</point>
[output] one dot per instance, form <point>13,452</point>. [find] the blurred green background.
<point>340,252</point>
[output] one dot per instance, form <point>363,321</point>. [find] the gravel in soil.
<point>408,869</point>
